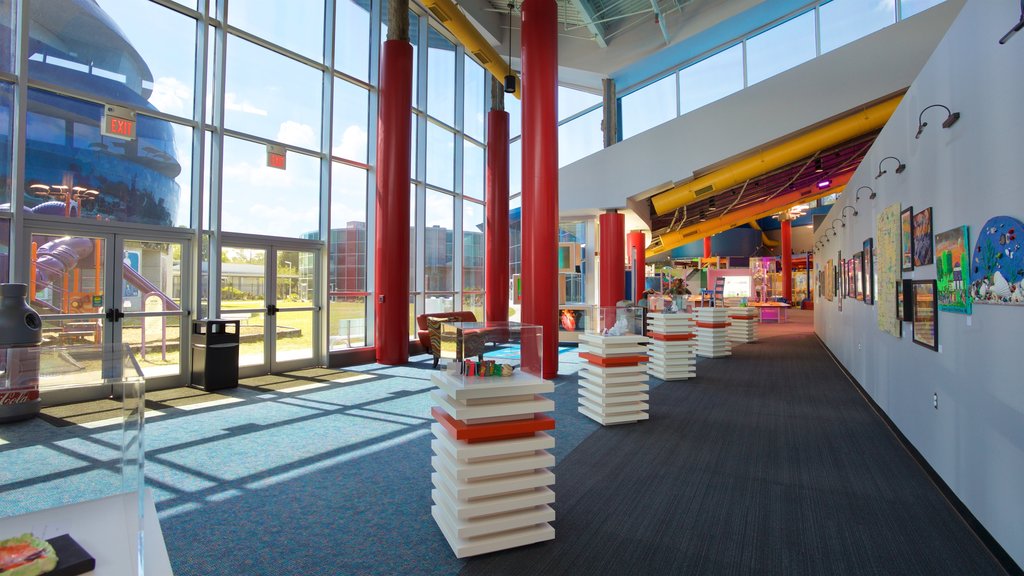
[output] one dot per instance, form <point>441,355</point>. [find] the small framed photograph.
<point>923,253</point>
<point>907,238</point>
<point>926,310</point>
<point>869,271</point>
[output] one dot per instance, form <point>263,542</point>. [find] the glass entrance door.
<point>94,288</point>
<point>272,292</point>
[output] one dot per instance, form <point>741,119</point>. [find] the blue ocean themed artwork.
<point>997,262</point>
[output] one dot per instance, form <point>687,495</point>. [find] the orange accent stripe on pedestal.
<point>742,317</point>
<point>713,324</point>
<point>671,337</point>
<point>494,430</point>
<point>605,361</point>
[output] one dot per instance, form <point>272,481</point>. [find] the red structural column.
<point>787,260</point>
<point>496,244</point>
<point>612,253</point>
<point>539,38</point>
<point>391,262</point>
<point>638,258</point>
<point>707,246</point>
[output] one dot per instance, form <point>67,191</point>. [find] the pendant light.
<point>510,79</point>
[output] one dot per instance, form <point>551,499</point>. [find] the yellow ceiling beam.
<point>731,220</point>
<point>775,157</point>
<point>456,22</point>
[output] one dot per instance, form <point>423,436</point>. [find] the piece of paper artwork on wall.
<point>952,270</point>
<point>858,275</point>
<point>926,326</point>
<point>887,268</point>
<point>907,238</point>
<point>869,272</point>
<point>923,237</point>
<point>997,263</point>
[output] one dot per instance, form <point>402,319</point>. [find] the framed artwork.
<point>923,254</point>
<point>851,277</point>
<point>926,311</point>
<point>952,270</point>
<point>899,300</point>
<point>997,263</point>
<point>869,271</point>
<point>841,279</point>
<point>858,276</point>
<point>907,239</point>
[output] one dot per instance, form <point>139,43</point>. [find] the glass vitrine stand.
<point>100,501</point>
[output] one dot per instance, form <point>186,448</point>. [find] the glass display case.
<point>81,479</point>
<point>615,320</point>
<point>489,344</point>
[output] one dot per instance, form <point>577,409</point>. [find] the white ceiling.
<point>629,29</point>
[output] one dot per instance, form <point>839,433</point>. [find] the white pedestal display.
<point>671,346</point>
<point>743,325</point>
<point>491,478</point>
<point>613,382</point>
<point>713,332</point>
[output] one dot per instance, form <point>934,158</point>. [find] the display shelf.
<point>671,346</point>
<point>712,332</point>
<point>491,479</point>
<point>613,383</point>
<point>743,325</point>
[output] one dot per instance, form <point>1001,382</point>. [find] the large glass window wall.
<point>269,75</point>
<point>818,28</point>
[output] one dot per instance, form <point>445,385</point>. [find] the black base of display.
<point>72,559</point>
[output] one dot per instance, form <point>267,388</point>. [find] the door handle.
<point>114,315</point>
<point>271,310</point>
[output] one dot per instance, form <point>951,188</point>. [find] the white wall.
<point>870,68</point>
<point>967,174</point>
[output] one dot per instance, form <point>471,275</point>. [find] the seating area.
<point>429,333</point>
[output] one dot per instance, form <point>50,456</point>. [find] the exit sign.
<point>276,156</point>
<point>118,122</point>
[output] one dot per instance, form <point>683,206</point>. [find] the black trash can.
<point>215,354</point>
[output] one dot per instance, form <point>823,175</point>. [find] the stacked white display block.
<point>613,382</point>
<point>713,332</point>
<point>742,325</point>
<point>671,346</point>
<point>491,478</point>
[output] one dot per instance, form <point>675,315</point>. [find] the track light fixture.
<point>1016,28</point>
<point>844,211</point>
<point>951,118</point>
<point>899,169</point>
<point>510,78</point>
<point>871,197</point>
<point>817,165</point>
<point>842,223</point>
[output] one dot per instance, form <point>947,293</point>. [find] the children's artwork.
<point>869,272</point>
<point>830,280</point>
<point>887,268</point>
<point>951,254</point>
<point>858,275</point>
<point>926,327</point>
<point>923,237</point>
<point>907,238</point>
<point>997,263</point>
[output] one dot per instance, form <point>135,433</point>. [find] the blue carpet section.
<point>330,480</point>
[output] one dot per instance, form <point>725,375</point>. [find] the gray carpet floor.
<point>770,462</point>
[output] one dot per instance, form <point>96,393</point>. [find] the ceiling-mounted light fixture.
<point>817,165</point>
<point>951,118</point>
<point>871,197</point>
<point>510,78</point>
<point>899,169</point>
<point>824,183</point>
<point>854,211</point>
<point>1016,28</point>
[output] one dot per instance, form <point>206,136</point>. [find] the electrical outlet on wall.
<point>860,346</point>
<point>935,401</point>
